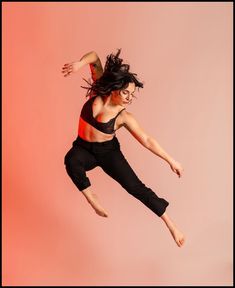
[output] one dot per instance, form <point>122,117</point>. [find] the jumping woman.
<point>97,145</point>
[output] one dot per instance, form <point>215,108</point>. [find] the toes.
<point>101,213</point>
<point>105,214</point>
<point>181,241</point>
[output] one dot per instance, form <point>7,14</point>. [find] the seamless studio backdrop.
<point>51,235</point>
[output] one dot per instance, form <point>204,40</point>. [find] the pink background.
<point>51,235</point>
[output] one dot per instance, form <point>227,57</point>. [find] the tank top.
<point>87,115</point>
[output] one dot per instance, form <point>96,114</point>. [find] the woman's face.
<point>125,95</point>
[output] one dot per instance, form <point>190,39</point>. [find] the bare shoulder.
<point>127,117</point>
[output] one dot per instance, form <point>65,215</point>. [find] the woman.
<point>97,145</point>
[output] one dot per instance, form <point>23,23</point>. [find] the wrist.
<point>82,62</point>
<point>169,160</point>
<point>166,157</point>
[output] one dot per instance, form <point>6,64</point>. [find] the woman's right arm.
<point>90,58</point>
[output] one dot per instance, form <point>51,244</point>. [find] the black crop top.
<point>87,115</point>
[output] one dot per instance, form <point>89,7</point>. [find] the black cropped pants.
<point>84,156</point>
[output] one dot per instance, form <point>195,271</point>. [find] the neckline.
<point>94,117</point>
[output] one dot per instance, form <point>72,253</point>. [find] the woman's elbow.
<point>148,142</point>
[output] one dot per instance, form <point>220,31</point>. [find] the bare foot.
<point>177,235</point>
<point>92,199</point>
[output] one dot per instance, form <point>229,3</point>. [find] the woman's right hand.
<point>176,167</point>
<point>72,67</point>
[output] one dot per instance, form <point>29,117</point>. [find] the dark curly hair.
<point>116,76</point>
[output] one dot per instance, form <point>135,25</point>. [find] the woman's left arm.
<point>131,124</point>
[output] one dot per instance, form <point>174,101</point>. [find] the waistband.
<point>97,146</point>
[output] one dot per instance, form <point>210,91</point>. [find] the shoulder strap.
<point>119,112</point>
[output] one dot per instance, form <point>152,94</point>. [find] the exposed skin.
<point>105,108</point>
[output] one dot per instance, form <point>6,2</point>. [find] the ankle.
<point>88,193</point>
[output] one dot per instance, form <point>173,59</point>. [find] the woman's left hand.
<point>176,167</point>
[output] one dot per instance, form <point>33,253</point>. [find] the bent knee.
<point>66,158</point>
<point>70,159</point>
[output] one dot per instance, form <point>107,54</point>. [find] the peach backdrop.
<point>51,235</point>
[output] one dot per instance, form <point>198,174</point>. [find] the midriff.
<point>91,134</point>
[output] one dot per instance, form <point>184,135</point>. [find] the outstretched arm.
<point>131,124</point>
<point>90,58</point>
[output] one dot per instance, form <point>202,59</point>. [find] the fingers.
<point>68,73</point>
<point>179,173</point>
<point>68,64</point>
<point>67,69</point>
<point>177,170</point>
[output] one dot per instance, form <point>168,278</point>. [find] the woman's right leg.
<point>77,161</point>
<point>116,166</point>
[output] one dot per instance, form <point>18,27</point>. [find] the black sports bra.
<point>87,115</point>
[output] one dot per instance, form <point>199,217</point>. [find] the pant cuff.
<point>163,208</point>
<point>83,185</point>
